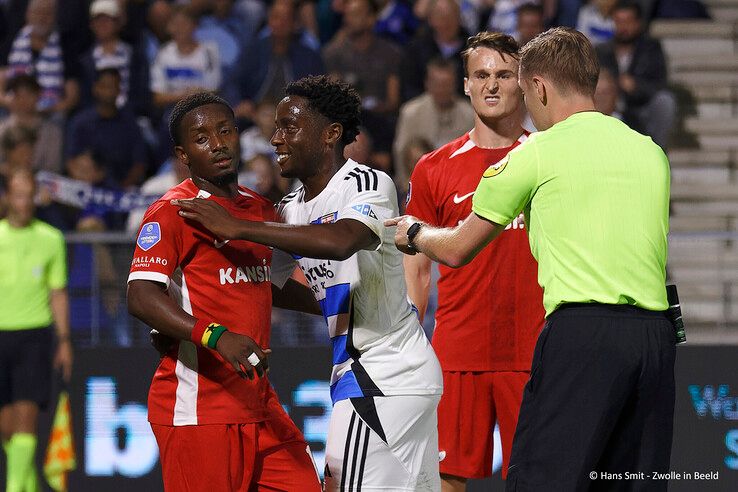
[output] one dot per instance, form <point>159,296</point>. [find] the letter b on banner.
<point>117,440</point>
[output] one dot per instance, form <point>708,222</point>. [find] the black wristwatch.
<point>412,231</point>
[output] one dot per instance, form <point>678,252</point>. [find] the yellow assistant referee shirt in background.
<point>32,263</point>
<point>596,200</point>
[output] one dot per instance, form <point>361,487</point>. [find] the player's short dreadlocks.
<point>186,105</point>
<point>336,100</point>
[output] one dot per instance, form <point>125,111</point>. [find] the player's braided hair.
<point>187,104</point>
<point>334,99</point>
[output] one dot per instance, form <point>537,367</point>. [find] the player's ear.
<point>539,86</point>
<point>182,155</point>
<point>332,133</point>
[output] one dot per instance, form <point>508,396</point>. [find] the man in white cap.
<point>108,50</point>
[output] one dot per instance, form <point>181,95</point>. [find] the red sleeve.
<point>158,244</point>
<point>270,213</point>
<point>420,202</point>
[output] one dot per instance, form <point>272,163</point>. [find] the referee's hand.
<point>403,223</point>
<point>242,353</point>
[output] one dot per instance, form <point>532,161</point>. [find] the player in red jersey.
<point>491,311</point>
<point>217,425</point>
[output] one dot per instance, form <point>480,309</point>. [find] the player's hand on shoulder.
<point>403,223</point>
<point>244,354</point>
<point>208,213</point>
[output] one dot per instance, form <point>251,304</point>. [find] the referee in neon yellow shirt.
<point>33,277</point>
<point>595,196</point>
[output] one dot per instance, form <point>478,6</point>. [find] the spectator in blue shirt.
<point>275,59</point>
<point>396,21</point>
<point>227,30</point>
<point>109,134</point>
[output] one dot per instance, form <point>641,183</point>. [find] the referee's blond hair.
<point>566,57</point>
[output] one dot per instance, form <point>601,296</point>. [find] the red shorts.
<point>471,404</point>
<point>270,455</point>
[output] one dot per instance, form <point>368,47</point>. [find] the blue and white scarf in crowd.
<point>84,195</point>
<point>48,67</point>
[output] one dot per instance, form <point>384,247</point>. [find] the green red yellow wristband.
<point>207,334</point>
<point>212,334</point>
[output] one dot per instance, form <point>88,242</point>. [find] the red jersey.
<point>490,311</point>
<point>222,281</point>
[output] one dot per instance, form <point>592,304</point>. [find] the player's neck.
<point>316,183</point>
<point>496,134</point>
<point>225,190</point>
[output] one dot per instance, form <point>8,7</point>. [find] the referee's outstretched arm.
<point>452,246</point>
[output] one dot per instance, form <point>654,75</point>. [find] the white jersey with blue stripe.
<point>379,347</point>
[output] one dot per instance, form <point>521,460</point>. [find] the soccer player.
<point>596,200</point>
<point>386,380</point>
<point>491,311</point>
<point>217,426</point>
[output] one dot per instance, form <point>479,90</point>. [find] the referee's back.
<point>600,213</point>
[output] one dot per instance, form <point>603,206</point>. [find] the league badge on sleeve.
<point>150,235</point>
<point>496,169</point>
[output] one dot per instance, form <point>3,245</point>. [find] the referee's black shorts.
<point>25,365</point>
<point>599,403</point>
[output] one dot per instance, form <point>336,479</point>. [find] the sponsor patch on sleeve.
<point>149,236</point>
<point>365,209</point>
<point>496,169</point>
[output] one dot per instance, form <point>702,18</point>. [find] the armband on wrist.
<point>207,334</point>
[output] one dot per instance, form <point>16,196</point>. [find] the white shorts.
<point>383,443</point>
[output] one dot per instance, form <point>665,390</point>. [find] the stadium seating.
<point>703,252</point>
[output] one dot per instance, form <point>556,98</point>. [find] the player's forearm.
<point>59,304</point>
<point>325,241</point>
<point>442,245</point>
<point>456,246</point>
<point>417,278</point>
<point>295,297</point>
<point>149,302</point>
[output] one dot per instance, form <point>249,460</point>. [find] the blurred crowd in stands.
<point>86,86</point>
